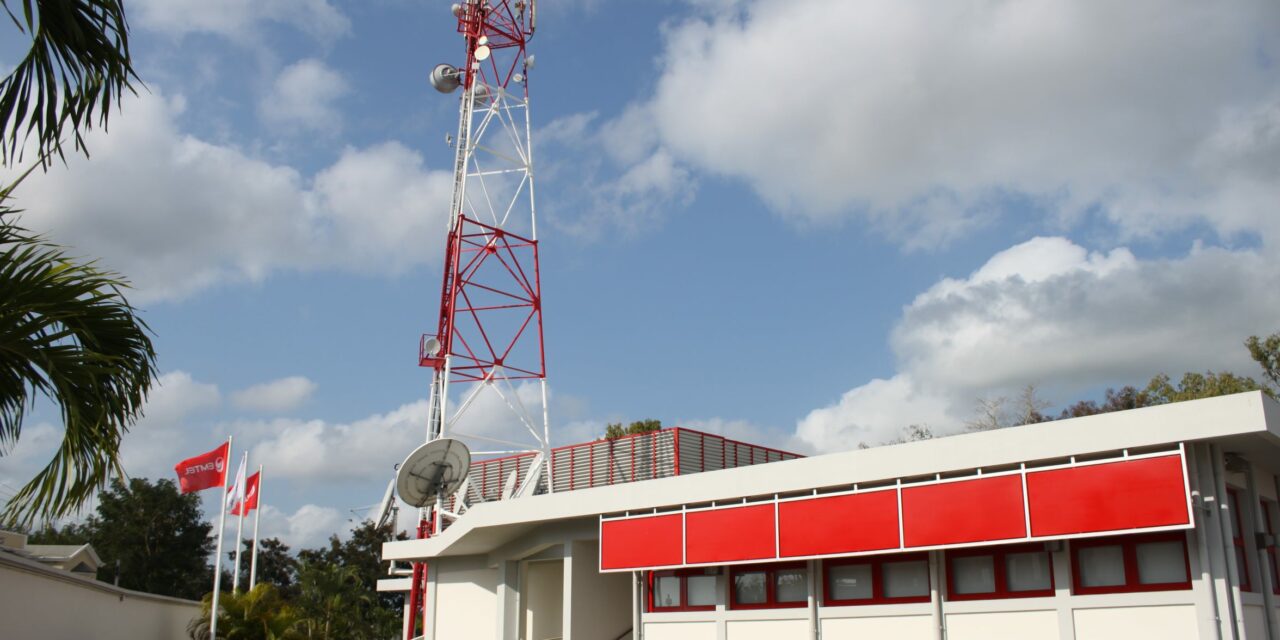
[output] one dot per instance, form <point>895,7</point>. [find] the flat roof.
<point>1247,423</point>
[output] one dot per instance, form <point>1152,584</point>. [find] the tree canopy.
<point>614,430</point>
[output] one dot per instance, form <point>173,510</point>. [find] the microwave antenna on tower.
<point>487,352</point>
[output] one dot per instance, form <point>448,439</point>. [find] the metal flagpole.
<point>217,563</point>
<point>257,513</point>
<point>240,480</point>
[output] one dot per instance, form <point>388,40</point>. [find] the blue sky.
<point>803,223</point>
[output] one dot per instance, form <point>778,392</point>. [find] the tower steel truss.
<point>488,348</point>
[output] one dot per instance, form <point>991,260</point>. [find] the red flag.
<point>250,496</point>
<point>204,471</point>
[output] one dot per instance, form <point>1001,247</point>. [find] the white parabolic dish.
<point>436,468</point>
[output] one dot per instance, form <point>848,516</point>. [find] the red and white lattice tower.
<point>487,349</point>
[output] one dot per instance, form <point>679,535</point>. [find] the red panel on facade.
<point>1130,494</point>
<point>726,535</point>
<point>641,542</point>
<point>838,524</point>
<point>963,511</point>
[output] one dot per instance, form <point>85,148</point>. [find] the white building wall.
<point>38,605</point>
<point>601,602</point>
<point>679,631</point>
<point>767,630</point>
<point>898,627</point>
<point>1011,625</point>
<point>543,597</point>
<point>1176,622</point>
<point>466,598</point>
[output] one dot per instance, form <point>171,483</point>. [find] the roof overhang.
<point>1246,423</point>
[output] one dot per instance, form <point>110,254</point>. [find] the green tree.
<point>362,554</point>
<point>335,602</point>
<point>260,614</point>
<point>66,330</point>
<point>1266,352</point>
<point>276,566</point>
<point>156,537</point>
<point>614,430</point>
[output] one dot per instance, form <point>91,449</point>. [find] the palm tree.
<point>66,330</point>
<point>259,614</point>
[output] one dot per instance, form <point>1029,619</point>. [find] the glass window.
<point>1101,566</point>
<point>973,574</point>
<point>702,591</point>
<point>906,579</point>
<point>850,582</point>
<point>1161,562</point>
<point>666,591</point>
<point>749,587</point>
<point>791,585</point>
<point>1028,571</point>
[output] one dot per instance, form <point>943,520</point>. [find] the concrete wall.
<point>1015,625</point>
<point>47,604</point>
<point>601,606</point>
<point>543,592</point>
<point>467,602</point>
<point>1126,623</point>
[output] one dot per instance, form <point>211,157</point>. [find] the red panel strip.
<point>726,535</point>
<point>838,524</point>
<point>963,511</point>
<point>641,542</point>
<point>1130,494</point>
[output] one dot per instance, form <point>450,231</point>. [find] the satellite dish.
<point>387,507</point>
<point>445,78</point>
<point>431,348</point>
<point>436,468</point>
<point>482,52</point>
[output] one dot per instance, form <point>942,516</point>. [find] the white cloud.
<point>308,527</point>
<point>925,119</point>
<point>302,96</point>
<point>239,20</point>
<point>608,176</point>
<point>366,449</point>
<point>1050,313</point>
<point>177,214</point>
<point>275,396</point>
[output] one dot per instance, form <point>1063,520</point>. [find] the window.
<point>1269,522</point>
<point>1017,571</point>
<point>1237,540</point>
<point>682,590</point>
<point>1151,562</point>
<point>883,580</point>
<point>769,586</point>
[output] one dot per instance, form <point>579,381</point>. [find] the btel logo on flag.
<point>204,471</point>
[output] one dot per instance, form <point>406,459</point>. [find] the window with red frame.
<point>1016,571</point>
<point>1269,522</point>
<point>682,590</point>
<point>891,579</point>
<point>1150,562</point>
<point>769,586</point>
<point>1237,540</point>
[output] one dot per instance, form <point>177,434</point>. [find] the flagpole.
<point>257,514</point>
<point>217,563</point>
<point>235,580</point>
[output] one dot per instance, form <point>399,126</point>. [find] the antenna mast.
<point>488,341</point>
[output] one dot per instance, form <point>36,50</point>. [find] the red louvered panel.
<point>838,524</point>
<point>1130,494</point>
<point>963,511</point>
<point>728,535</point>
<point>641,542</point>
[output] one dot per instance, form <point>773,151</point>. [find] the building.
<point>1151,523</point>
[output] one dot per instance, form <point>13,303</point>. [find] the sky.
<point>804,223</point>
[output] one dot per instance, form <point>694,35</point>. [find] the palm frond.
<point>67,333</point>
<point>76,68</point>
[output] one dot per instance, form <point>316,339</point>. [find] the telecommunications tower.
<point>487,354</point>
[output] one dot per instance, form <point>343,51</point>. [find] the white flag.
<point>236,494</point>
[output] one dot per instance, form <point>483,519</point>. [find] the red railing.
<point>633,458</point>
